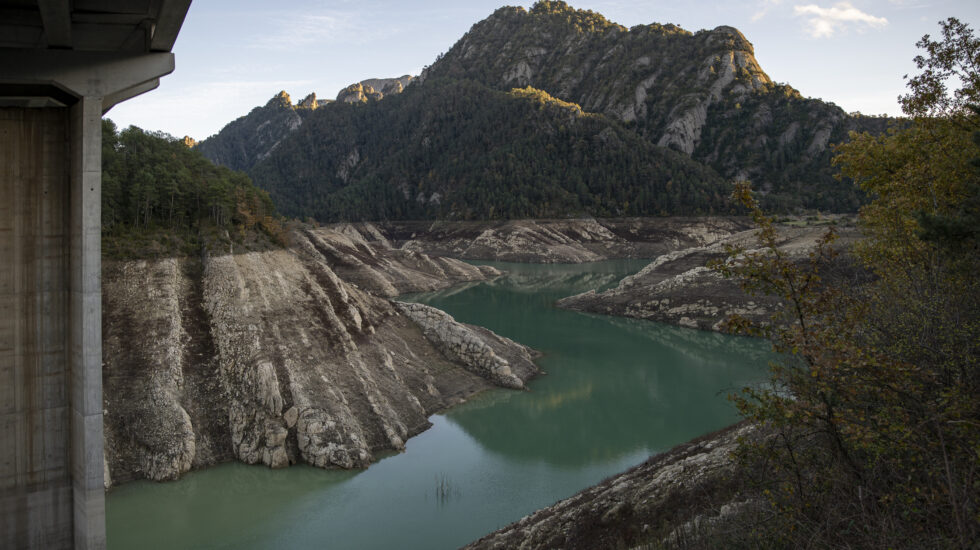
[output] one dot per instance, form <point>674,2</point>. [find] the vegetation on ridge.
<point>448,149</point>
<point>248,138</point>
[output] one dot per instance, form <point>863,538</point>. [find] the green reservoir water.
<point>616,392</point>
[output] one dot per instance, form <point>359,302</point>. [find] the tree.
<point>955,60</point>
<point>872,420</point>
<point>160,195</point>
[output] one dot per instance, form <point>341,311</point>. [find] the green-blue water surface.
<point>616,391</point>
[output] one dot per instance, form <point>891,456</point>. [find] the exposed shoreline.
<point>216,381</point>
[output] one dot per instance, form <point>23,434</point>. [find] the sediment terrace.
<point>299,355</point>
<point>274,358</point>
<point>678,287</point>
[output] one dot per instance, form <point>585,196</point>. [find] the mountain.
<point>455,149</point>
<point>251,138</point>
<point>703,94</point>
<point>554,111</point>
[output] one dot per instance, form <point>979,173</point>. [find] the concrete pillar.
<point>85,321</point>
<point>51,446</point>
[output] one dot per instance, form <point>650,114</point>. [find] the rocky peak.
<point>374,89</point>
<point>389,86</point>
<point>356,93</point>
<point>661,77</point>
<point>251,138</point>
<point>309,102</point>
<point>730,38</point>
<point>281,99</point>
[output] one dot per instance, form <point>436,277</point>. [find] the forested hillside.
<point>452,149</point>
<point>251,138</point>
<point>554,111</point>
<point>701,93</point>
<point>160,197</point>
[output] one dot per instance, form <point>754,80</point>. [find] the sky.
<point>234,55</point>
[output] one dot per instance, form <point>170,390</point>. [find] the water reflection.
<point>226,506</point>
<point>617,390</point>
<point>617,385</point>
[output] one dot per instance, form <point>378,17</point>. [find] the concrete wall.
<point>36,497</point>
<point>51,463</point>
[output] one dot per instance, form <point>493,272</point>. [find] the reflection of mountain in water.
<point>700,345</point>
<point>532,283</point>
<point>561,279</point>
<point>615,386</point>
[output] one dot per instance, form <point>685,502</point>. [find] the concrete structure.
<point>62,65</point>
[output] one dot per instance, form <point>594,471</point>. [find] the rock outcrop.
<point>361,254</point>
<point>389,86</point>
<point>358,93</point>
<point>311,102</point>
<point>279,357</point>
<point>147,426</point>
<point>498,359</point>
<point>678,288</point>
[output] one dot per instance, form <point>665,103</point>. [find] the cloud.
<point>910,4</point>
<point>292,33</point>
<point>825,22</point>
<point>764,7</point>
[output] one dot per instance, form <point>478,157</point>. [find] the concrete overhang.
<point>113,76</point>
<point>53,52</point>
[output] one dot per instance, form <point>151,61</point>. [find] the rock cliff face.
<point>678,288</point>
<point>662,77</point>
<point>276,358</point>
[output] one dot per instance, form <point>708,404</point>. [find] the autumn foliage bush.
<point>871,420</point>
